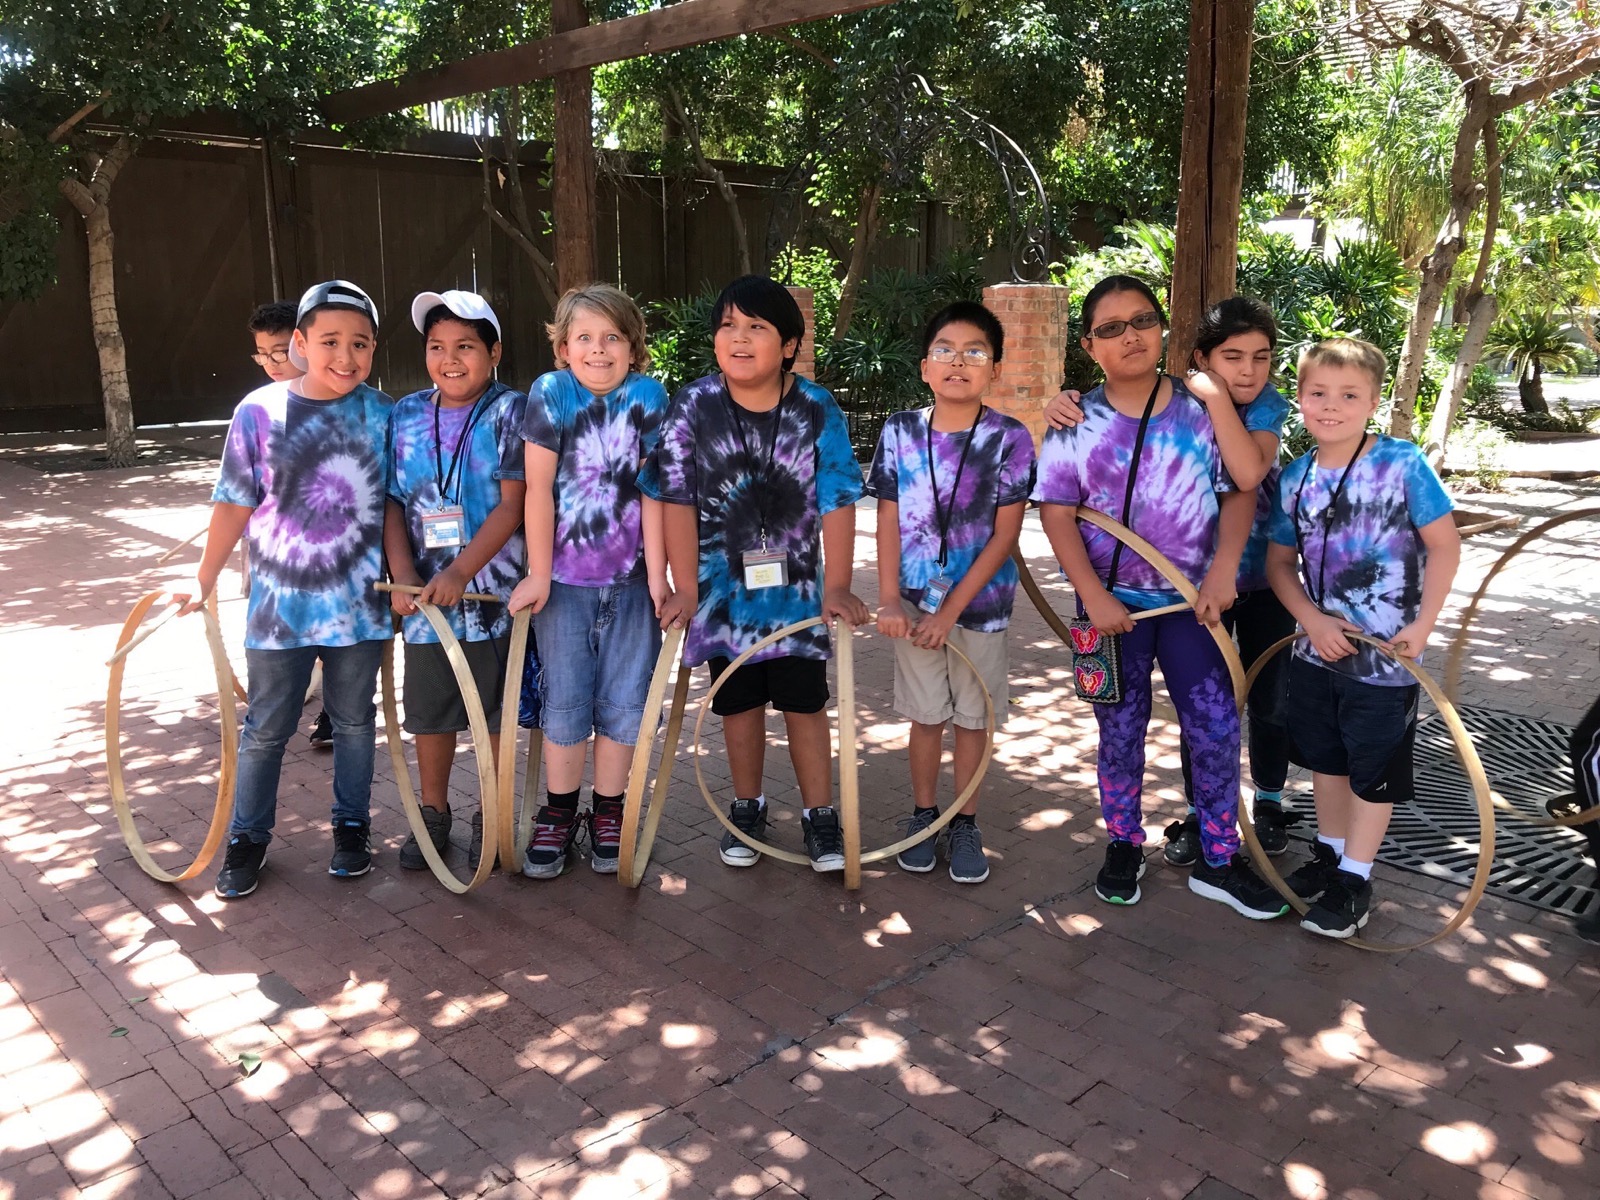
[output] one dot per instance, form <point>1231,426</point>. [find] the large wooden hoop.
<point>1469,759</point>
<point>222,811</point>
<point>849,806</point>
<point>483,751</point>
<point>505,835</point>
<point>1458,648</point>
<point>639,825</point>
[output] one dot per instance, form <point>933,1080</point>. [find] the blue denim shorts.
<point>597,648</point>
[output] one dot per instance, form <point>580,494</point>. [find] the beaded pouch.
<point>1096,662</point>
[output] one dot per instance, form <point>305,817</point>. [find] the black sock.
<point>597,799</point>
<point>568,800</point>
<point>965,819</point>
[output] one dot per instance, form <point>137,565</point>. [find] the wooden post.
<point>573,182</point>
<point>1211,169</point>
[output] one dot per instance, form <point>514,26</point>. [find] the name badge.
<point>934,595</point>
<point>443,527</point>
<point>765,569</point>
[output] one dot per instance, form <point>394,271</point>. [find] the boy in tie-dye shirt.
<point>756,473</point>
<point>952,482</point>
<point>302,481</point>
<point>596,565</point>
<point>1362,540</point>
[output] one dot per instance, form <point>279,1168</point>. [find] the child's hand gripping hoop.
<point>639,825</point>
<point>849,759</point>
<point>222,811</point>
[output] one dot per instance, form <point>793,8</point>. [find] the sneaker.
<point>352,851</point>
<point>1238,886</point>
<point>1272,826</point>
<point>749,817</point>
<point>475,846</point>
<point>1343,909</point>
<point>605,835</point>
<point>1311,878</point>
<point>438,826</point>
<point>824,839</point>
<point>921,857</point>
<point>554,831</point>
<point>1118,881</point>
<point>321,736</point>
<point>1183,842</point>
<point>241,869</point>
<point>967,863</point>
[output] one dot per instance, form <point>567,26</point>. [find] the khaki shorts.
<point>932,686</point>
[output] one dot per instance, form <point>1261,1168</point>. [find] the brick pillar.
<point>805,362</point>
<point>1034,316</point>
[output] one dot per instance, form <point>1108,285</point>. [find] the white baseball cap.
<point>469,306</point>
<point>335,293</point>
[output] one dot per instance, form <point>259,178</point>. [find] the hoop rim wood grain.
<point>222,811</point>
<point>505,835</point>
<point>639,825</point>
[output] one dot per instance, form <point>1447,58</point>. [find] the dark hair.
<point>1231,317</point>
<point>1112,284</point>
<point>441,312</point>
<point>276,317</point>
<point>765,300</point>
<point>968,312</point>
<point>309,319</point>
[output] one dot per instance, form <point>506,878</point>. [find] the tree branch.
<point>799,43</point>
<point>741,238</point>
<point>1585,62</point>
<point>61,130</point>
<point>110,167</point>
<point>544,270</point>
<point>78,195</point>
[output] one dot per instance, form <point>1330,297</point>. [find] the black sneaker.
<point>475,846</point>
<point>824,839</point>
<point>1118,881</point>
<point>554,831</point>
<point>1311,878</point>
<point>352,851</point>
<point>1238,886</point>
<point>925,854</point>
<point>1343,909</point>
<point>605,836</point>
<point>1183,842</point>
<point>1272,826</point>
<point>241,869</point>
<point>750,818</point>
<point>438,826</point>
<point>321,736</point>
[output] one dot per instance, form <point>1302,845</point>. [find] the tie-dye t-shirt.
<point>1175,503</point>
<point>998,471</point>
<point>313,470</point>
<point>1369,555</point>
<point>600,442</point>
<point>1265,414</point>
<point>492,453</point>
<point>715,458</point>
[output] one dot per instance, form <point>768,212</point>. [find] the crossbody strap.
<point>1133,476</point>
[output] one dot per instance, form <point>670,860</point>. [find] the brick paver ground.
<point>735,1033</point>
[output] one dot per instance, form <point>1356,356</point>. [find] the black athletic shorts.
<point>1344,726</point>
<point>433,697</point>
<point>789,684</point>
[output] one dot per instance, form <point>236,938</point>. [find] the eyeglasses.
<point>276,357</point>
<point>948,355</point>
<point>1112,329</point>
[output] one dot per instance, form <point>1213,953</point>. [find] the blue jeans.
<point>597,649</point>
<point>278,682</point>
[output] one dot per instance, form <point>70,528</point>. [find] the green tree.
<point>1533,345</point>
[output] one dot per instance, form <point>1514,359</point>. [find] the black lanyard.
<point>762,491</point>
<point>1133,475</point>
<point>441,476</point>
<point>945,515</point>
<point>1327,519</point>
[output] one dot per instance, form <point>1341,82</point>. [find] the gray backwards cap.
<point>336,293</point>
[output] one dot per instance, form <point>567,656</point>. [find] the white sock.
<point>1335,844</point>
<point>807,812</point>
<point>762,800</point>
<point>1346,863</point>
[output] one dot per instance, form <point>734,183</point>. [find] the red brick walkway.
<point>732,1033</point>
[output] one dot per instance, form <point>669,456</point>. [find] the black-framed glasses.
<point>276,357</point>
<point>948,355</point>
<point>1112,329</point>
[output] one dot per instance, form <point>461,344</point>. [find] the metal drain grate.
<point>1527,765</point>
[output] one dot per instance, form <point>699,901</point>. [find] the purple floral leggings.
<point>1197,679</point>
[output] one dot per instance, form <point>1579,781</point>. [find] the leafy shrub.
<point>680,339</point>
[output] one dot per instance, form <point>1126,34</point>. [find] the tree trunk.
<point>121,447</point>
<point>1530,389</point>
<point>730,200</point>
<point>866,233</point>
<point>1482,311</point>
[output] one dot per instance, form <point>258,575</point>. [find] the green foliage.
<point>28,228</point>
<point>816,269</point>
<point>680,339</point>
<point>1484,444</point>
<point>1532,345</point>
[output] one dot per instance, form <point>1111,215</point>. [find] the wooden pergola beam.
<point>675,27</point>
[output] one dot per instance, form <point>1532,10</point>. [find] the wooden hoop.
<point>1458,649</point>
<point>483,750</point>
<point>1469,759</point>
<point>222,811</point>
<point>505,836</point>
<point>638,825</point>
<point>849,805</point>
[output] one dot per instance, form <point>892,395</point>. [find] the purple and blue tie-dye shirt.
<point>600,442</point>
<point>1175,505</point>
<point>998,471</point>
<point>1367,552</point>
<point>715,459</point>
<point>493,452</point>
<point>313,470</point>
<point>1265,414</point>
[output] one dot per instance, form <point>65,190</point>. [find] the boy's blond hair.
<point>1347,352</point>
<point>614,305</point>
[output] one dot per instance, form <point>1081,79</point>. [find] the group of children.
<point>613,513</point>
